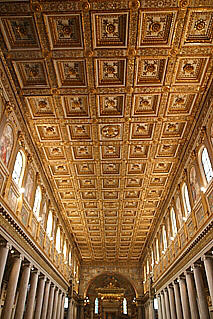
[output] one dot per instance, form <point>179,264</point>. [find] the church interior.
<point>106,159</point>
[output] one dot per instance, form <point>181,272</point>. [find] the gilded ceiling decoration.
<point>111,91</point>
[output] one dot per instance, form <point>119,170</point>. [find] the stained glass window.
<point>58,240</point>
<point>174,224</point>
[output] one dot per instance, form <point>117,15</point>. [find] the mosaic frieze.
<point>110,29</point>
<point>156,28</point>
<point>65,31</point>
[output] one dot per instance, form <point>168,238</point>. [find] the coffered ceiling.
<point>110,91</point>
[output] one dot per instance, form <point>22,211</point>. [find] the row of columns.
<point>37,296</point>
<point>185,298</point>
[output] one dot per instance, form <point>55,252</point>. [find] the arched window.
<point>186,202</point>
<point>58,240</point>
<point>6,144</point>
<point>65,250</point>
<point>164,238</point>
<point>207,167</point>
<point>173,221</point>
<point>37,201</point>
<point>96,305</point>
<point>49,224</point>
<point>124,306</point>
<point>18,167</point>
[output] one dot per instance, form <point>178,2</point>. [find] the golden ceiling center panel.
<point>110,91</point>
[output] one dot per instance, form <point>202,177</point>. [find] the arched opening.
<point>111,296</point>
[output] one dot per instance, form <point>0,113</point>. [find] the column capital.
<point>197,266</point>
<point>171,285</point>
<point>6,245</point>
<point>207,256</point>
<point>182,277</point>
<point>27,264</point>
<point>188,272</point>
<point>165,289</point>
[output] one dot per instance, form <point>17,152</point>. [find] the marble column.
<point>192,295</point>
<point>168,316</point>
<point>172,302</point>
<point>163,305</point>
<point>55,304</point>
<point>91,310</point>
<point>178,301</point>
<point>11,288</point>
<point>22,291</point>
<point>45,300</point>
<point>184,298</point>
<point>62,306</point>
<point>4,249</point>
<point>69,315</point>
<point>59,305</point>
<point>39,297</point>
<point>151,310</point>
<point>50,301</point>
<point>31,296</point>
<point>159,307</point>
<point>202,301</point>
<point>208,264</point>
